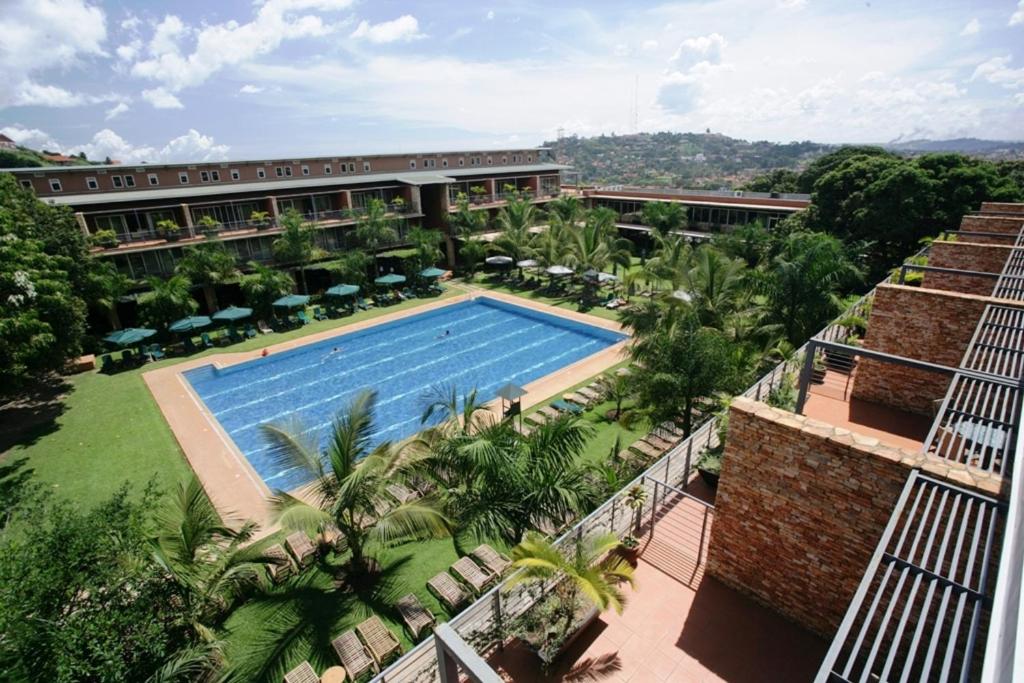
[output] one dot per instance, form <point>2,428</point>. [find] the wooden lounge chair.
<point>658,442</point>
<point>250,331</point>
<point>577,398</point>
<point>566,407</point>
<point>401,493</point>
<point>303,673</point>
<point>473,574</point>
<point>552,413</point>
<point>301,548</point>
<point>353,654</point>
<point>448,591</point>
<point>381,507</point>
<point>525,429</point>
<point>280,567</point>
<point>671,428</point>
<point>382,643</point>
<point>264,327</point>
<point>491,559</point>
<point>538,418</point>
<point>589,393</point>
<point>415,615</point>
<point>645,449</point>
<point>319,314</point>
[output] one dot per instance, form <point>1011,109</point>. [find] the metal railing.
<point>683,192</point>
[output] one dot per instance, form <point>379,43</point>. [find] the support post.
<point>689,456</point>
<point>805,376</point>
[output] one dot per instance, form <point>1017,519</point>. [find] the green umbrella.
<point>128,336</point>
<point>432,272</point>
<point>194,322</point>
<point>292,301</point>
<point>232,313</point>
<point>342,290</point>
<point>390,279</point>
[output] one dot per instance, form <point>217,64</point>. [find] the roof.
<point>4,138</point>
<point>411,178</point>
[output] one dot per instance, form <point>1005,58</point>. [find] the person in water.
<point>442,336</point>
<point>336,349</point>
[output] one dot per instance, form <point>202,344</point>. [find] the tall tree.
<point>472,253</point>
<point>208,264</point>
<point>264,286</point>
<point>465,221</point>
<point>567,207</point>
<point>717,285</point>
<point>664,217</point>
<point>296,244</point>
<point>515,220</point>
<point>427,244</point>
<point>376,228</point>
<point>107,286</point>
<point>167,301</point>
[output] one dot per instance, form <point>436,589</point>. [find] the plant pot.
<point>710,477</point>
<point>587,617</point>
<point>211,234</point>
<point>630,556</point>
<point>172,236</point>
<point>262,226</point>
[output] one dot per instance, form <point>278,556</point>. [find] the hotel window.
<point>204,176</point>
<point>430,163</point>
<point>462,162</point>
<point>261,173</point>
<point>328,170</point>
<point>305,170</point>
<point>235,175</point>
<point>504,160</point>
<point>129,181</point>
<point>366,166</point>
<point>352,167</point>
<point>27,184</point>
<point>215,176</point>
<point>55,185</point>
<point>113,222</point>
<point>183,178</point>
<point>489,161</point>
<point>117,181</point>
<point>90,183</point>
<point>529,158</point>
<point>154,179</point>
<point>444,163</point>
<point>412,164</point>
<point>278,171</point>
<point>288,171</point>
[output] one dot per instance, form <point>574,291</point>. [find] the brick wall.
<point>801,506</point>
<point>1003,207</point>
<point>924,324</point>
<point>1005,224</point>
<point>963,255</point>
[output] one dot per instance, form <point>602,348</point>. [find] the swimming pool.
<point>482,343</point>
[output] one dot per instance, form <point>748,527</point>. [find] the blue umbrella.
<point>390,279</point>
<point>232,313</point>
<point>194,322</point>
<point>432,272</point>
<point>128,336</point>
<point>342,290</point>
<point>292,301</point>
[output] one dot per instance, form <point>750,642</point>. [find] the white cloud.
<point>621,50</point>
<point>700,49</point>
<point>490,15</point>
<point>161,98</point>
<point>249,89</point>
<point>998,72</point>
<point>649,45</point>
<point>31,137</point>
<point>1017,17</point>
<point>131,23</point>
<point>971,28</point>
<point>29,93</point>
<point>405,27</point>
<point>229,43</point>
<point>192,146</point>
<point>792,4</point>
<point>129,51</point>
<point>460,32</point>
<point>116,110</point>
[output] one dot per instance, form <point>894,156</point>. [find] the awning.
<point>423,179</point>
<point>129,336</point>
<point>194,322</point>
<point>342,290</point>
<point>292,301</point>
<point>232,313</point>
<point>511,392</point>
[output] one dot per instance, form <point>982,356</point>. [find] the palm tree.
<point>349,482</point>
<point>465,222</point>
<point>717,284</point>
<point>617,387</point>
<point>549,247</point>
<point>263,286</point>
<point>350,267</point>
<point>297,244</point>
<point>426,242</point>
<point>671,259</point>
<point>567,207</point>
<point>208,265</point>
<point>169,300</point>
<point>590,570</point>
<point>107,285</point>
<point>472,252</point>
<point>209,561</point>
<point>515,220</point>
<point>664,217</point>
<point>376,228</point>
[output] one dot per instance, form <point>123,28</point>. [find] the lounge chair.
<point>448,591</point>
<point>473,574</point>
<point>107,363</point>
<point>128,357</point>
<point>379,639</point>
<point>303,318</point>
<point>301,548</point>
<point>303,673</point>
<point>234,335</point>
<point>577,398</point>
<point>589,393</point>
<point>363,304</point>
<point>415,615</point>
<point>552,413</point>
<point>658,442</point>
<point>645,449</point>
<point>264,327</point>
<point>353,655</point>
<point>156,352</point>
<point>190,346</point>
<point>207,342</point>
<point>250,331</point>
<point>537,418</point>
<point>280,567</point>
<point>525,428</point>
<point>491,559</point>
<point>672,428</point>
<point>567,407</point>
<point>401,493</point>
<point>319,314</point>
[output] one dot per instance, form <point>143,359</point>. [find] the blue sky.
<point>234,78</point>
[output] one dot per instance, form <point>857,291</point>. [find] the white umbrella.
<point>498,260</point>
<point>559,270</point>
<point>527,263</point>
<point>682,295</point>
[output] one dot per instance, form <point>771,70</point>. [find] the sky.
<point>195,80</point>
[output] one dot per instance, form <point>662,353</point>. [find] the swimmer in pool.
<point>442,336</point>
<point>335,350</point>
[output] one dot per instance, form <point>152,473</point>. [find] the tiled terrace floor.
<point>679,625</point>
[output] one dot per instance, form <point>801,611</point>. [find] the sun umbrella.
<point>342,290</point>
<point>682,295</point>
<point>129,336</point>
<point>559,270</point>
<point>194,322</point>
<point>390,279</point>
<point>511,392</point>
<point>527,263</point>
<point>498,260</point>
<point>432,272</point>
<point>232,313</point>
<point>292,301</point>
<point>598,277</point>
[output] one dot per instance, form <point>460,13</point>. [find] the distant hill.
<point>23,156</point>
<point>1003,149</point>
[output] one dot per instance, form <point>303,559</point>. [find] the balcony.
<point>499,199</point>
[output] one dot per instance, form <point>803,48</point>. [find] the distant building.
<point>60,159</point>
<point>7,143</point>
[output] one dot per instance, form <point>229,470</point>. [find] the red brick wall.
<point>992,224</point>
<point>1003,207</point>
<point>987,258</point>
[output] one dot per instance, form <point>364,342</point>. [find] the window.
<point>129,181</point>
<point>412,164</point>
<point>154,179</point>
<point>183,178</point>
<point>462,162</point>
<point>305,170</point>
<point>366,166</point>
<point>504,160</point>
<point>27,184</point>
<point>288,171</point>
<point>328,170</point>
<point>444,163</point>
<point>204,176</point>
<point>215,176</point>
<point>489,161</point>
<point>55,185</point>
<point>235,175</point>
<point>117,181</point>
<point>261,173</point>
<point>278,171</point>
<point>529,158</point>
<point>90,183</point>
<point>352,167</point>
<point>113,222</point>
<point>430,163</point>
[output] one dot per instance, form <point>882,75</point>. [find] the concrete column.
<point>533,182</point>
<point>82,225</point>
<point>188,220</point>
<point>345,199</point>
<point>414,200</point>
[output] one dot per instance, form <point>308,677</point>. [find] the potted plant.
<point>169,230</point>
<point>398,205</point>
<point>629,550</point>
<point>478,192</point>
<point>710,466</point>
<point>818,370</point>
<point>586,580</point>
<point>106,239</point>
<point>209,225</point>
<point>260,219</point>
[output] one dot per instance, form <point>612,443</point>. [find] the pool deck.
<point>232,484</point>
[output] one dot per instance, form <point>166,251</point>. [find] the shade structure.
<point>559,271</point>
<point>193,322</point>
<point>498,260</point>
<point>599,277</point>
<point>390,279</point>
<point>682,295</point>
<point>432,272</point>
<point>292,301</point>
<point>232,313</point>
<point>129,336</point>
<point>342,290</point>
<point>511,392</point>
<point>527,263</point>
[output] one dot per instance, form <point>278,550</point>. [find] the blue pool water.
<point>489,343</point>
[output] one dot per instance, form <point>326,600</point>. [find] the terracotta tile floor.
<point>679,625</point>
